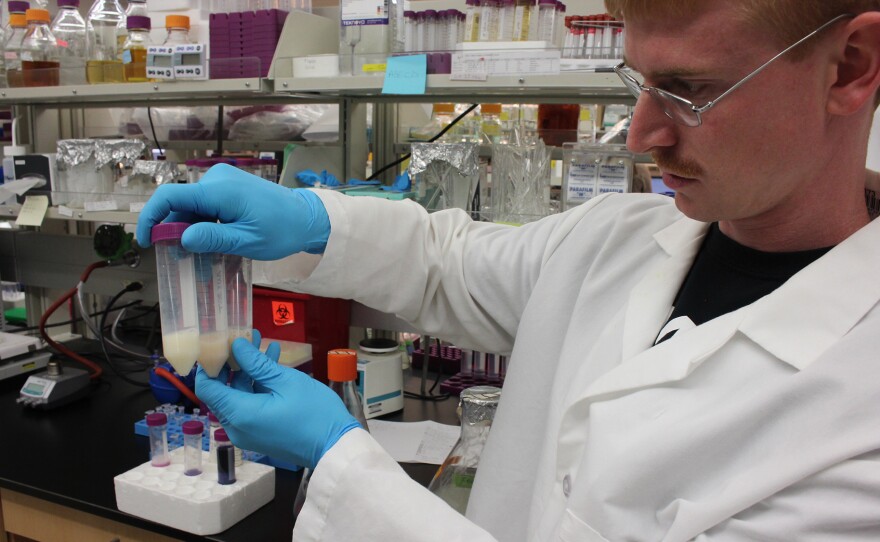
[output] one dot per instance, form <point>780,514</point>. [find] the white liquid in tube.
<point>234,334</point>
<point>181,349</point>
<point>213,352</point>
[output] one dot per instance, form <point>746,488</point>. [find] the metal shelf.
<point>592,87</point>
<point>105,95</point>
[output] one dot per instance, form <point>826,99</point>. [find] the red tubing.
<point>167,375</point>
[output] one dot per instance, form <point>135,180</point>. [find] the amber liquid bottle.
<point>39,52</point>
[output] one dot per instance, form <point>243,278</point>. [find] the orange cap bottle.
<point>342,365</point>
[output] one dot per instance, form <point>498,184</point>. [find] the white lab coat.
<point>762,424</point>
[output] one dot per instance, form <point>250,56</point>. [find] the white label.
<point>33,210</point>
<point>189,313</point>
<point>63,210</point>
<point>93,206</point>
<point>136,206</point>
<point>508,62</point>
<point>361,12</point>
<point>612,178</point>
<point>160,73</point>
<point>581,182</point>
<point>190,72</point>
<point>470,69</point>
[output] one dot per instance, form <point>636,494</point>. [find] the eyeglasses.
<point>682,110</point>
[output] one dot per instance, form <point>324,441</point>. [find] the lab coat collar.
<point>651,300</point>
<point>819,305</point>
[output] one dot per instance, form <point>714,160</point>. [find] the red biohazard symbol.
<point>282,313</point>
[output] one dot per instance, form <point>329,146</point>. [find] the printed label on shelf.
<point>64,210</point>
<point>464,64</point>
<point>93,206</point>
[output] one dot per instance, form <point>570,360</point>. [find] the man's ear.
<point>857,66</point>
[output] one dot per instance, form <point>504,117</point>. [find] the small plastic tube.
<point>213,425</point>
<point>225,458</point>
<point>430,30</point>
<point>192,447</point>
<point>506,20</point>
<point>409,29</point>
<point>546,19</point>
<point>467,363</point>
<point>472,20</point>
<point>239,298</point>
<point>157,423</point>
<point>490,19</point>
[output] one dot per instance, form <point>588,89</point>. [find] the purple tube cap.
<point>138,21</point>
<point>68,3</point>
<point>546,2</point>
<point>156,418</point>
<point>168,230</point>
<point>221,436</point>
<point>17,6</point>
<point>192,427</point>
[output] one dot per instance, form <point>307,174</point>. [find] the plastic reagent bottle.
<point>39,52</point>
<point>105,49</point>
<point>178,309</point>
<point>225,458</point>
<point>12,49</point>
<point>19,7</point>
<point>157,423</point>
<point>192,447</point>
<point>69,29</point>
<point>342,374</point>
<point>134,51</point>
<point>178,30</point>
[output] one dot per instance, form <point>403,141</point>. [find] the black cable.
<point>403,158</point>
<point>130,288</point>
<point>153,129</point>
<point>429,396</point>
<point>75,320</point>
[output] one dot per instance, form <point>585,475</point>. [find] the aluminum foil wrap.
<point>158,171</point>
<point>74,152</point>
<point>445,175</point>
<point>462,156</point>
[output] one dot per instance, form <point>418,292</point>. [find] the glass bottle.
<point>69,29</point>
<point>342,374</point>
<point>12,49</point>
<point>455,477</point>
<point>134,7</point>
<point>178,30</point>
<point>105,52</point>
<point>19,7</point>
<point>39,52</point>
<point>134,50</point>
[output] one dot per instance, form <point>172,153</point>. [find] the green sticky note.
<point>406,75</point>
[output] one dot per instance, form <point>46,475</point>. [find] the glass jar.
<point>455,477</point>
<point>39,52</point>
<point>134,51</point>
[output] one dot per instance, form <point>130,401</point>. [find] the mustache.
<point>682,167</point>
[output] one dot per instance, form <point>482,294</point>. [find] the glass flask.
<point>342,374</point>
<point>134,51</point>
<point>12,49</point>
<point>455,477</point>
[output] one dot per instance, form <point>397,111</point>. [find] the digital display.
<point>191,59</point>
<point>34,388</point>
<point>162,61</point>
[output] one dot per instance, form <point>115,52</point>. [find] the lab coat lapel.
<point>819,305</point>
<point>650,302</point>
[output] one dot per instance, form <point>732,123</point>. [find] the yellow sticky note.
<point>33,211</point>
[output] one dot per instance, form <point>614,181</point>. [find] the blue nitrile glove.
<point>308,177</point>
<point>401,183</point>
<point>257,218</point>
<point>288,416</point>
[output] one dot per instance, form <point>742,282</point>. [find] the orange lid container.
<point>17,20</point>
<point>37,15</point>
<point>342,365</point>
<point>448,109</point>
<point>490,109</point>
<point>177,21</point>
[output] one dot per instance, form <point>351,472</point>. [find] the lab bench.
<point>57,468</point>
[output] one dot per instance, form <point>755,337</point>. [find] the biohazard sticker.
<point>282,313</point>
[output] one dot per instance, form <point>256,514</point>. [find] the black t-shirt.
<point>726,276</point>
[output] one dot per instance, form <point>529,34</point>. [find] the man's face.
<point>750,159</point>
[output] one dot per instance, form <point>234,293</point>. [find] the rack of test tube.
<point>177,417</point>
<point>468,367</point>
